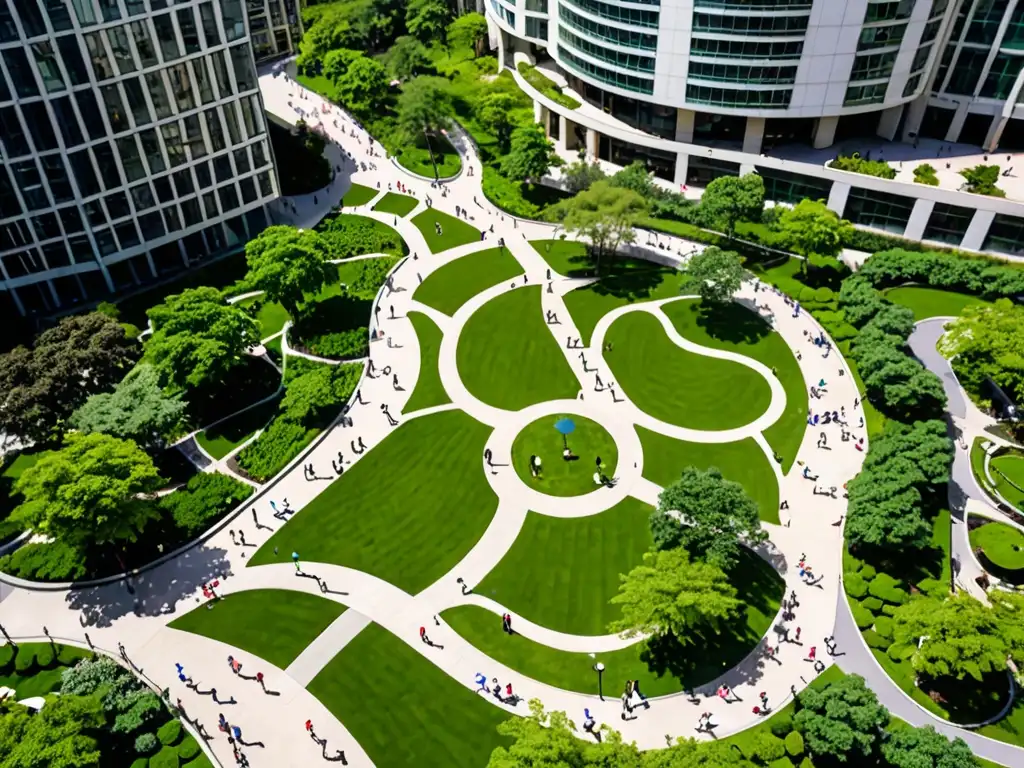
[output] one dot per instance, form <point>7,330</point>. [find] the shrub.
<point>981,180</point>
<point>933,587</point>
<point>45,657</point>
<point>140,762</point>
<point>782,762</point>
<point>349,235</point>
<point>806,763</point>
<point>6,658</point>
<point>889,610</point>
<point>313,398</point>
<point>953,271</point>
<point>856,164</point>
<point>545,85</point>
<point>886,588</point>
<point>25,662</point>
<point>824,295</point>
<point>883,627</point>
<point>206,498</point>
<point>768,747</point>
<point>53,561</point>
<point>873,604</point>
<point>861,615</point>
<point>898,652</point>
<point>371,276</point>
<point>146,744</point>
<point>794,744</point>
<point>89,675</point>
<point>781,724</point>
<point>487,65</point>
<point>855,585</point>
<point>868,571</point>
<point>507,194</point>
<point>277,445</point>
<point>925,174</point>
<point>874,640</point>
<point>188,748</point>
<point>169,732</point>
<point>165,758</point>
<point>340,345</point>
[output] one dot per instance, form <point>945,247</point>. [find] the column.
<point>682,164</point>
<point>753,135</point>
<point>977,231</point>
<point>837,196</point>
<point>17,300</point>
<point>825,132</point>
<point>919,219</point>
<point>567,132</point>
<point>915,115</point>
<point>593,143</point>
<point>152,266</point>
<point>501,48</point>
<point>995,132</point>
<point>684,125</point>
<point>53,293</point>
<point>538,115</point>
<point>183,252</point>
<point>953,134</point>
<point>889,122</point>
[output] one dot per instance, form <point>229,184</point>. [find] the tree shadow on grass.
<point>969,701</point>
<point>336,327</point>
<point>249,381</point>
<point>730,322</point>
<point>632,285</point>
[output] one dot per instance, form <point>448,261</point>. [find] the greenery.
<point>531,154</point>
<point>603,214</point>
<point>358,195</point>
<point>813,230</point>
<point>273,624</point>
<point>453,232</point>
<point>856,164</point>
<point>452,285</point>
<point>347,235</point>
<point>953,272</point>
<point>981,180</point>
<point>925,174</point>
<point>468,31</point>
<point>424,109</point>
<point>407,58</point>
<point>931,302</point>
<point>560,477</point>
<point>1002,544</point>
<point>580,175</point>
<point>985,342</point>
<point>396,203</point>
<point>287,264</point>
<point>427,19</point>
<point>717,274</point>
<point>545,85</point>
<point>206,498</point>
<point>731,199</point>
<point>222,438</point>
<point>841,720</point>
<point>429,389</point>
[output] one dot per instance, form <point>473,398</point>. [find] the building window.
<point>948,224</point>
<point>622,14</point>
<point>117,38</point>
<point>749,25</point>
<point>966,71</point>
<point>241,61</point>
<point>617,35</point>
<point>728,97</point>
<point>12,135</point>
<point>74,64</point>
<point>1006,235</point>
<point>988,15</point>
<point>1001,76</point>
<point>540,6</point>
<point>617,79</point>
<point>912,85</point>
<point>39,126</point>
<point>879,210</point>
<point>234,20</point>
<point>31,18</point>
<point>745,49</point>
<point>166,37</point>
<point>611,56</point>
<point>537,28</point>
<point>21,74</point>
<point>873,66</point>
<point>144,44</point>
<point>189,30</point>
<point>888,11</point>
<point>865,94</point>
<point>735,73</point>
<point>880,37</point>
<point>57,10</point>
<point>46,63</point>
<point>67,121</point>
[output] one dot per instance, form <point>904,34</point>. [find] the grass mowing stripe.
<point>448,288</point>
<point>453,231</point>
<point>396,203</point>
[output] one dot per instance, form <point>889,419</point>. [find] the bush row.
<point>982,276</point>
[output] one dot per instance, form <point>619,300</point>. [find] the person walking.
<point>627,708</point>
<point>506,624</point>
<point>310,731</point>
<point>423,636</point>
<point>259,679</point>
<point>589,723</point>
<point>635,690</point>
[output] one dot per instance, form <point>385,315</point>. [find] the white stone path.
<point>110,615</point>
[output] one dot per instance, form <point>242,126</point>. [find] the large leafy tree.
<point>926,748</point>
<point>717,274</point>
<point>469,30</point>
<point>93,490</point>
<point>859,300</point>
<point>898,383</point>
<point>690,753</point>
<point>604,215</point>
<point>288,264</point>
<point>407,58</point>
<point>363,86</point>
<point>531,154</point>
<point>337,62</point>
<point>728,200</point>
<point>494,111</point>
<point>813,230</point>
<point>708,515</point>
<point>580,175</point>
<point>40,387</point>
<point>668,595</point>
<point>427,19</point>
<point>198,337</point>
<point>138,409</point>
<point>424,109</point>
<point>842,720</point>
<point>63,734</point>
<point>988,342</point>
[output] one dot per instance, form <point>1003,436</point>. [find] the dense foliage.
<point>288,264</point>
<point>987,342</point>
<point>716,274</point>
<point>856,164</point>
<point>953,272</point>
<point>205,498</point>
<point>603,215</point>
<point>347,236</point>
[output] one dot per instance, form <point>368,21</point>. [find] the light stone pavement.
<point>111,614</point>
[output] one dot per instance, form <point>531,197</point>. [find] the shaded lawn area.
<point>40,682</point>
<point>589,442</point>
<point>415,158</point>
<point>429,389</point>
<point>566,257</point>
<point>453,231</point>
<point>404,711</point>
<point>1011,465</point>
<point>742,461</point>
<point>249,382</point>
<point>508,358</point>
<point>448,288</point>
<point>666,667</point>
<point>561,572</point>
<point>221,439</point>
<point>12,470</point>
<point>274,624</point>
<point>270,315</point>
<point>396,203</point>
<point>358,195</point>
<point>681,387</point>
<point>1003,544</point>
<point>407,512</point>
<point>932,302</point>
<point>735,328</point>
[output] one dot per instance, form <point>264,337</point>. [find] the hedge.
<point>875,640</point>
<point>206,497</point>
<point>781,724</point>
<point>966,274</point>
<point>868,571</point>
<point>861,615</point>
<point>277,445</point>
<point>883,626</point>
<point>170,732</point>
<point>39,561</point>
<point>25,662</point>
<point>165,758</point>
<point>6,658</point>
<point>782,762</point>
<point>142,762</point>
<point>794,744</point>
<point>873,604</point>
<point>45,657</point>
<point>855,585</point>
<point>188,748</point>
<point>886,588</point>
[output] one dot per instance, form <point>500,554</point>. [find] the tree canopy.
<point>424,107</point>
<point>94,489</point>
<point>988,342</point>
<point>731,199</point>
<point>811,228</point>
<point>717,274</point>
<point>531,154</point>
<point>198,337</point>
<point>61,735</point>
<point>337,62</point>
<point>494,111</point>
<point>469,30</point>
<point>427,20</point>
<point>603,214</point>
<point>842,720</point>
<point>407,57</point>
<point>363,85</point>
<point>670,595</point>
<point>926,748</point>
<point>288,264</point>
<point>581,175</point>
<point>708,516</point>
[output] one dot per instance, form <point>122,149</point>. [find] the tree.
<point>892,320</point>
<point>898,383</point>
<point>469,30</point>
<point>731,199</point>
<point>407,58</point>
<point>138,409</point>
<point>41,387</point>
<point>363,86</point>
<point>717,274</point>
<point>670,595</point>
<point>551,739</point>
<point>288,264</point>
<point>94,489</point>
<point>884,511</point>
<point>198,337</point>
<point>427,19</point>
<point>988,342</point>
<point>981,180</point>
<point>310,397</point>
<point>61,735</point>
<point>909,747</point>
<point>337,62</point>
<point>859,300</point>
<point>494,111</point>
<point>690,753</point>
<point>841,720</point>
<point>604,215</point>
<point>708,515</point>
<point>637,178</point>
<point>924,443</point>
<point>812,229</point>
<point>531,154</point>
<point>581,175</point>
<point>424,109</point>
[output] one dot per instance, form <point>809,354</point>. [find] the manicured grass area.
<point>270,315</point>
<point>274,624</point>
<point>223,438</point>
<point>588,442</point>
<point>451,286</point>
<point>681,387</point>
<point>736,329</point>
<point>40,682</point>
<point>508,358</point>
<point>661,667</point>
<point>453,231</point>
<point>566,257</point>
<point>404,711</point>
<point>561,572</point>
<point>358,195</point>
<point>932,302</point>
<point>407,512</point>
<point>415,158</point>
<point>429,388</point>
<point>1002,544</point>
<point>396,203</point>
<point>1009,465</point>
<point>742,461</point>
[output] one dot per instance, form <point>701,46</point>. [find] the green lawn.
<point>932,302</point>
<point>416,158</point>
<point>429,389</point>
<point>274,351</point>
<point>736,329</point>
<point>40,682</point>
<point>404,711</point>
<point>742,461</point>
<point>1012,466</point>
<point>274,624</point>
<point>448,288</point>
<point>407,512</point>
<point>453,231</point>
<point>508,358</point>
<point>270,315</point>
<point>223,438</point>
<point>566,257</point>
<point>22,461</point>
<point>1003,544</point>
<point>358,195</point>
<point>681,387</point>
<point>396,203</point>
<point>561,572</point>
<point>589,442</point>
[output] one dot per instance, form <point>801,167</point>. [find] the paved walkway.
<point>139,618</point>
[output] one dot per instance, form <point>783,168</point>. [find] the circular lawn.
<point>588,442</point>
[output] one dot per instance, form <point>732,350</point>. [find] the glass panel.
<point>12,135</point>
<point>152,226</point>
<point>181,86</point>
<point>39,126</point>
<point>234,22</point>
<point>135,7</point>
<point>137,101</point>
<point>8,29</point>
<point>71,218</point>
<point>232,120</point>
<point>57,176</point>
<point>143,197</point>
<point>203,176</point>
<point>194,137</point>
<point>74,64</point>
<point>259,155</point>
<point>210,205</point>
<point>101,66</point>
<point>67,121</point>
<point>144,44</point>
<point>31,18</point>
<point>84,11</point>
<point>158,92</point>
<point>47,226</point>
<point>90,112</point>
<point>107,165</point>
<point>183,183</point>
<point>127,234</point>
<point>22,77</point>
<point>220,69</point>
<point>85,176</point>
<point>110,10</point>
<point>249,190</point>
<point>131,160</point>
<point>46,63</point>
<point>151,148</point>
<point>5,90</point>
<point>266,185</point>
<point>173,143</point>
<point>94,213</point>
<point>202,80</point>
<point>116,112</point>
<point>245,75</point>
<point>27,177</point>
<point>172,219</point>
<point>117,38</point>
<point>189,31</point>
<point>165,35</point>
<point>222,168</point>
<point>211,32</point>
<point>214,130</point>
<point>241,161</point>
<point>164,193</point>
<point>228,198</point>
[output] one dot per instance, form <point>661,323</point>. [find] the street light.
<point>599,668</point>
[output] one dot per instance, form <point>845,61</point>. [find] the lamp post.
<point>599,668</point>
